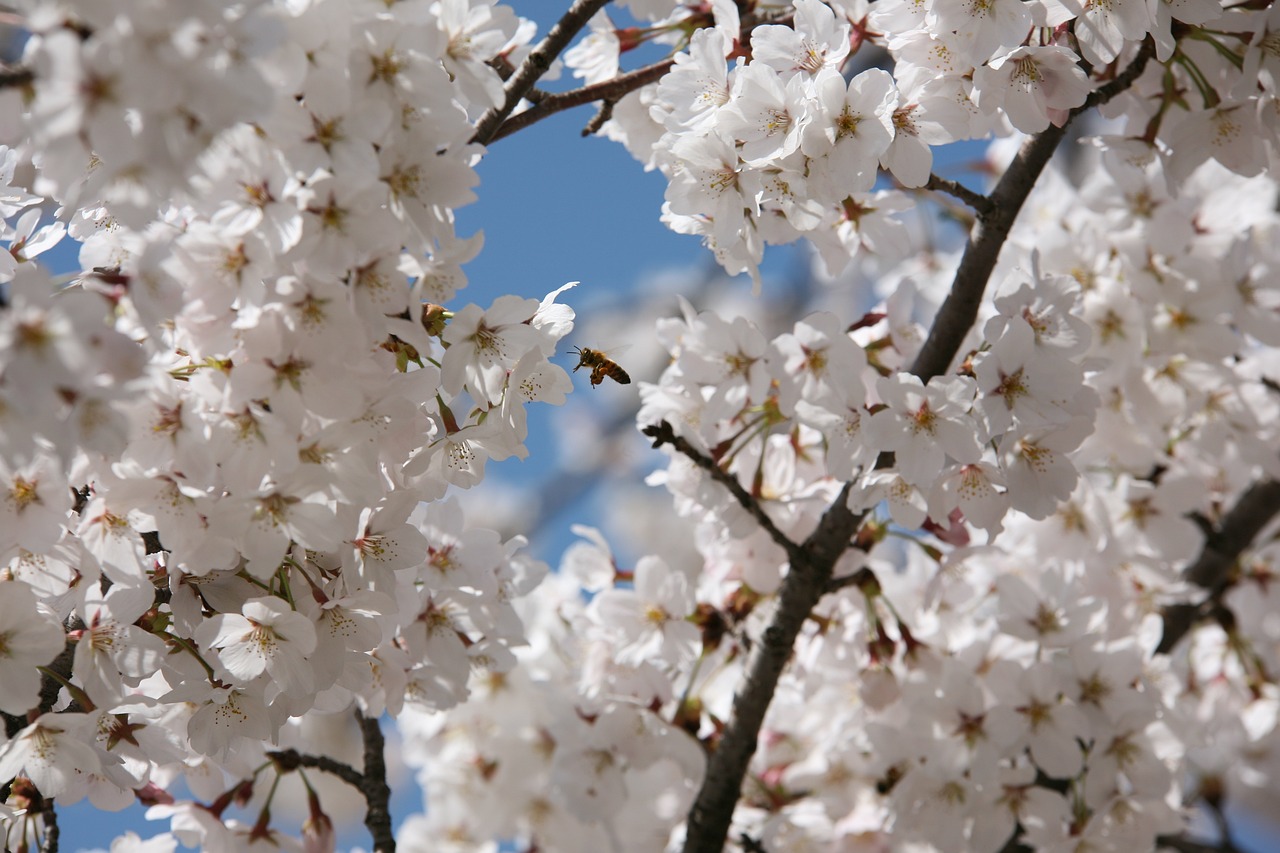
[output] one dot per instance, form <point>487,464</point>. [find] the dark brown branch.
<point>608,91</point>
<point>49,816</point>
<point>662,433</point>
<point>864,579</point>
<point>1185,845</point>
<point>979,202</point>
<point>810,574</point>
<point>600,119</point>
<point>535,65</point>
<point>289,759</point>
<point>1257,506</point>
<point>612,91</point>
<point>1223,546</point>
<point>13,77</point>
<point>960,309</point>
<point>805,584</point>
<point>377,793</point>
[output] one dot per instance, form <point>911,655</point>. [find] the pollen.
<point>530,388</point>
<point>487,340</point>
<point>1026,73</point>
<point>442,559</point>
<point>460,456</point>
<point>1037,713</point>
<point>384,68</point>
<point>722,179</point>
<point>847,123</point>
<point>1046,620</point>
<point>924,420</point>
<point>372,545</point>
<point>263,640</point>
<point>904,120</point>
<point>1036,457</point>
<point>813,59</point>
<point>326,133</point>
<point>1012,387</point>
<point>313,311</point>
<point>24,493</point>
<point>776,121</point>
<point>1094,689</point>
<point>372,281</point>
<point>258,195</point>
<point>32,334</point>
<point>405,181</point>
<point>816,362</point>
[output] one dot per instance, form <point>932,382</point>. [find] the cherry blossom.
<point>28,643</point>
<point>965,535</point>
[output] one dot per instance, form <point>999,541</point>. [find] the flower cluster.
<point>767,135</point>
<point>988,660</point>
<point>219,436</point>
<point>228,442</point>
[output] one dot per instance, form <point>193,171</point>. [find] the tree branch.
<point>288,759</point>
<point>1185,845</point>
<point>960,309</point>
<point>1223,546</point>
<point>809,576</point>
<point>49,816</point>
<point>608,91</point>
<point>373,784</point>
<point>662,433</point>
<point>805,583</point>
<point>535,65</point>
<point>979,202</point>
<point>13,77</point>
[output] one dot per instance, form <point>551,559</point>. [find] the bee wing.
<point>612,352</point>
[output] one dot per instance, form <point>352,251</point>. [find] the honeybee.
<point>601,366</point>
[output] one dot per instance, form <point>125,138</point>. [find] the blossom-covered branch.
<point>806,582</point>
<point>904,587</point>
<point>1212,568</point>
<point>535,65</point>
<point>609,90</point>
<point>995,218</point>
<point>663,434</point>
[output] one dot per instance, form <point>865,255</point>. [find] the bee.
<point>601,366</point>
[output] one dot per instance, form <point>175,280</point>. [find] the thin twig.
<point>602,116</point>
<point>377,793</point>
<point>614,90</point>
<point>288,759</point>
<point>662,433</point>
<point>535,65</point>
<point>609,90</point>
<point>979,202</point>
